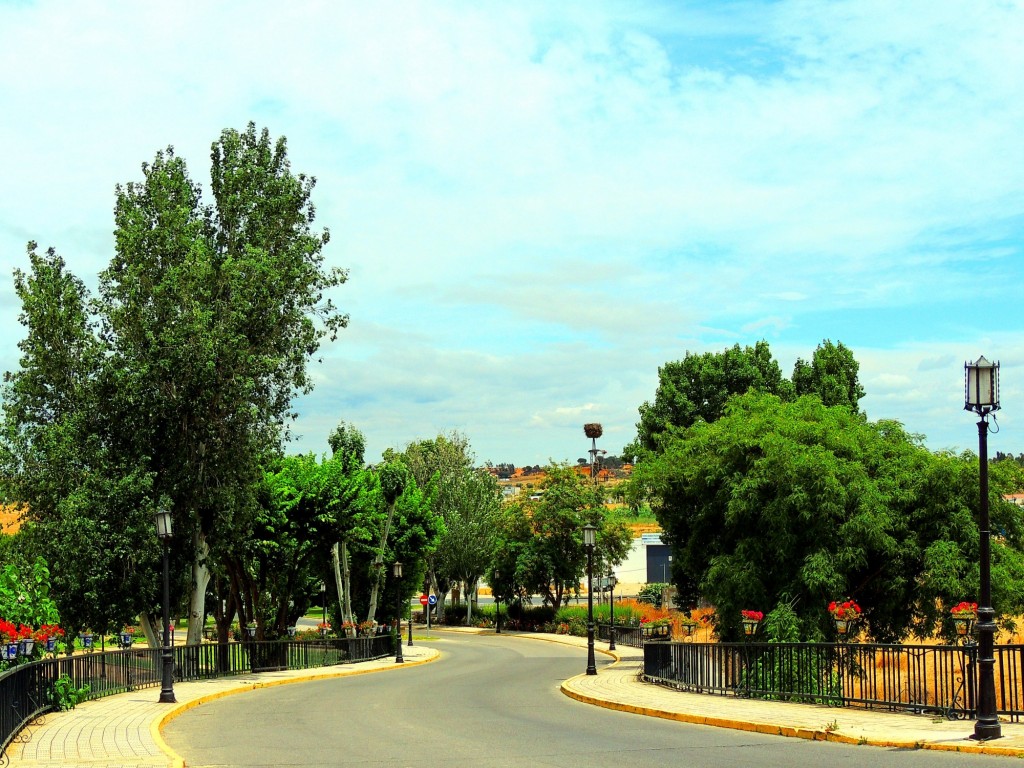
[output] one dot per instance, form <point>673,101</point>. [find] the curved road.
<point>489,701</point>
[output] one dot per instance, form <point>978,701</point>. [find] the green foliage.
<point>831,375</point>
<point>529,617</point>
<point>175,382</point>
<point>64,695</point>
<point>304,504</point>
<point>25,595</point>
<point>540,543</point>
<point>797,498</point>
<point>85,519</point>
<point>652,593</point>
<point>625,616</point>
<point>698,387</point>
<point>640,513</point>
<point>803,671</point>
<point>466,500</point>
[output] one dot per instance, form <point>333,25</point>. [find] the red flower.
<point>846,610</point>
<point>752,615</point>
<point>965,608</point>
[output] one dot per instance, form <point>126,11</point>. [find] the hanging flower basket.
<point>845,615</point>
<point>965,615</point>
<point>750,620</point>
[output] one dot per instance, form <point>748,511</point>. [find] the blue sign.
<point>432,599</point>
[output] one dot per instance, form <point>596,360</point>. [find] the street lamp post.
<point>409,608</point>
<point>323,602</point>
<point>589,541</point>
<point>397,571</point>
<point>611,610</point>
<point>593,431</point>
<point>163,532</point>
<point>982,397</point>
<point>497,603</point>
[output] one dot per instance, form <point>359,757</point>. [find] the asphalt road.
<point>489,701</point>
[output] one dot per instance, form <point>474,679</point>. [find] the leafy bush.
<point>652,593</point>
<point>528,618</point>
<point>64,695</point>
<point>806,677</point>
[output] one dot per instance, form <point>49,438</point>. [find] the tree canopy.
<point>540,543</point>
<point>176,382</point>
<point>698,387</point>
<point>805,503</point>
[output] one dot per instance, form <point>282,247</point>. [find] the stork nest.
<point>593,430</point>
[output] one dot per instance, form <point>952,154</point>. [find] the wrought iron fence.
<point>917,678</point>
<point>634,636</point>
<point>27,690</point>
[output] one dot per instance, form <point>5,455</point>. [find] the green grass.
<point>627,515</point>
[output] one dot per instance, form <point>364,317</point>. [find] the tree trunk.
<point>378,566</point>
<point>441,591</point>
<point>469,604</point>
<point>339,565</point>
<point>153,639</point>
<point>200,581</point>
<point>346,572</point>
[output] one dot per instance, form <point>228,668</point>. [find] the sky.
<point>541,203</point>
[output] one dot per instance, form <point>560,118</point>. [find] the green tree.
<point>467,500</point>
<point>88,507</point>
<point>540,543</point>
<point>831,375</point>
<point>698,388</point>
<point>179,383</point>
<point>25,594</point>
<point>211,313</point>
<point>815,503</point>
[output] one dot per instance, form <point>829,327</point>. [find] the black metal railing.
<point>634,637</point>
<point>27,690</point>
<point>937,679</point>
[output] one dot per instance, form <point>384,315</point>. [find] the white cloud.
<point>540,204</point>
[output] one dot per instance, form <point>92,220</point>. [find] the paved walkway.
<point>124,730</point>
<point>619,687</point>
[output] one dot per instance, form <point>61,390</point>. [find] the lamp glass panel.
<point>163,523</point>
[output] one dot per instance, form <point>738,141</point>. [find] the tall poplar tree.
<point>208,315</point>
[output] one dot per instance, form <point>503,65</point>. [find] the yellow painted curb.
<point>777,730</point>
<point>177,761</point>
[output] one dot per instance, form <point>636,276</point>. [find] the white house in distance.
<point>649,561</point>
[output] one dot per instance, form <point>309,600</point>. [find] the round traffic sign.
<point>433,599</point>
<point>423,599</point>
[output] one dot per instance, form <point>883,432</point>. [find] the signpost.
<point>428,602</point>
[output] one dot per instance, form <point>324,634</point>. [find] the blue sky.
<point>540,203</point>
